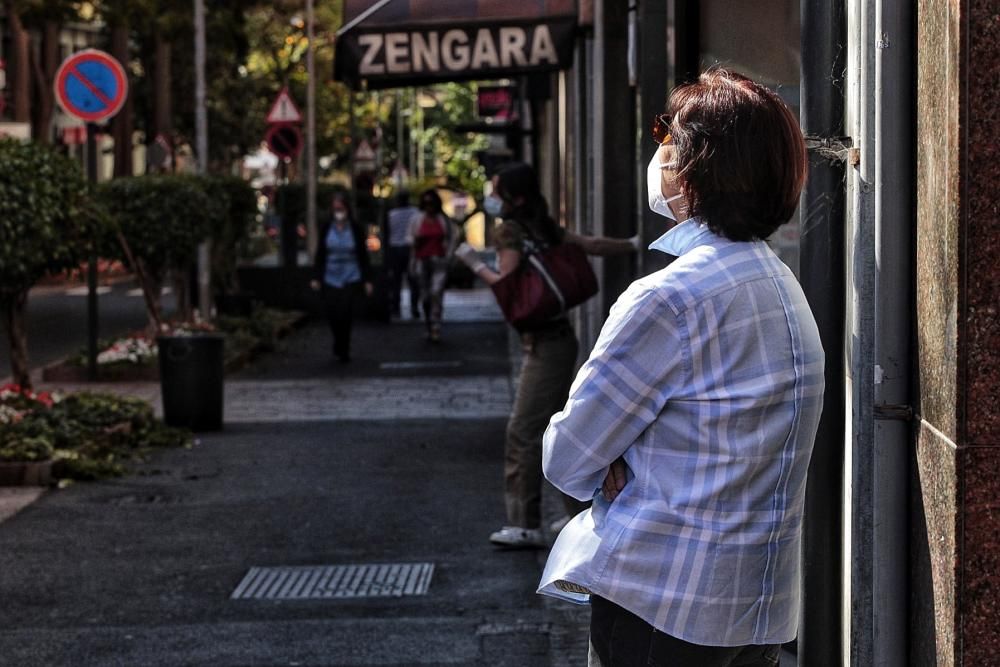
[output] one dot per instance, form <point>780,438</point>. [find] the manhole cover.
<point>335,581</point>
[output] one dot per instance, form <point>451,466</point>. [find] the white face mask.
<point>493,205</point>
<point>654,188</point>
<point>339,216</point>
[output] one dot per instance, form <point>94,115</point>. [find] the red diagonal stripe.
<point>92,88</point>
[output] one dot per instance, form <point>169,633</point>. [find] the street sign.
<point>364,157</point>
<point>91,85</point>
<point>285,141</point>
<point>74,135</point>
<point>496,102</point>
<point>284,110</point>
<point>364,152</point>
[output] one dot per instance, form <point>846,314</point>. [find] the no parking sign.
<point>91,85</point>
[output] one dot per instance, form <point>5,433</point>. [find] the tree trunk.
<point>162,102</point>
<point>122,125</point>
<point>151,286</point>
<point>14,323</point>
<point>19,64</point>
<point>182,294</point>
<point>45,62</point>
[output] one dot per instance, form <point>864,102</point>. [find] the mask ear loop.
<point>671,165</point>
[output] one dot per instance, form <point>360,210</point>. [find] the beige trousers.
<point>549,362</point>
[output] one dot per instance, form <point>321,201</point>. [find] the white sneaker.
<point>556,526</point>
<point>514,537</point>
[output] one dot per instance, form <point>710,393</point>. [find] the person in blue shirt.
<point>692,422</point>
<point>340,271</point>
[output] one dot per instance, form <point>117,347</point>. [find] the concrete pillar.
<point>614,144</point>
<point>654,84</point>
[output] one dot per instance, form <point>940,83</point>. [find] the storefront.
<point>898,553</point>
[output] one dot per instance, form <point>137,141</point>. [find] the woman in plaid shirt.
<point>692,423</point>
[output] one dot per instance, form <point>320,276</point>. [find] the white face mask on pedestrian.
<point>654,188</point>
<point>493,205</point>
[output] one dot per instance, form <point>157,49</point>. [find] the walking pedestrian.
<point>549,350</point>
<point>692,423</point>
<point>340,269</point>
<point>433,237</point>
<point>400,249</point>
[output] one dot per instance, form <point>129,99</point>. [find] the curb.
<point>15,498</point>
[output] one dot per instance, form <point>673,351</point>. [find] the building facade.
<point>895,244</point>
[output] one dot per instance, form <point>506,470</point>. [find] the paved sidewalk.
<point>377,399</point>
<point>395,458</point>
<point>15,499</point>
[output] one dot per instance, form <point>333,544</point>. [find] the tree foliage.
<point>230,229</point>
<point>47,221</point>
<point>47,224</point>
<point>161,217</point>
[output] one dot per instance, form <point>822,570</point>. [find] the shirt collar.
<point>682,238</point>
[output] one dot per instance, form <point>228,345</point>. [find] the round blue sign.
<point>91,85</point>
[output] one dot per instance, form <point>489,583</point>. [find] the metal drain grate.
<point>318,582</point>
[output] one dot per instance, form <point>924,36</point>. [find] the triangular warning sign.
<point>284,110</point>
<point>364,151</point>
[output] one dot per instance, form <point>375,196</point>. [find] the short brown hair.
<point>741,159</point>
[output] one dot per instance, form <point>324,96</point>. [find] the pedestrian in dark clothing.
<point>400,249</point>
<point>340,269</point>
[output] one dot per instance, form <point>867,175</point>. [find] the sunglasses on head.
<point>661,129</point>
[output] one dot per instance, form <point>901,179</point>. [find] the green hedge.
<point>230,231</point>
<point>162,217</point>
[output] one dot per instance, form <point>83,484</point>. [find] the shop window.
<point>760,40</point>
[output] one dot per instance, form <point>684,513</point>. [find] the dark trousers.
<point>339,304</point>
<point>399,268</point>
<point>619,638</point>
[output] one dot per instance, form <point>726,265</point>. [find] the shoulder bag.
<point>548,282</point>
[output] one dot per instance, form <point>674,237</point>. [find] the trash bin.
<point>191,370</point>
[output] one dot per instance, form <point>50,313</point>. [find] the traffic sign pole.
<point>92,265</point>
<point>91,85</point>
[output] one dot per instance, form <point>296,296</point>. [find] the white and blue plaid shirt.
<point>707,379</point>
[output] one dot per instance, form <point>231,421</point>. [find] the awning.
<point>416,42</point>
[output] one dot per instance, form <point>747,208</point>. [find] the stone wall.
<point>955,547</point>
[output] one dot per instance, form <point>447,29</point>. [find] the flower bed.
<point>134,357</point>
<point>80,436</point>
<point>131,350</point>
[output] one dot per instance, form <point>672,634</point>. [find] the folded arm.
<point>618,393</point>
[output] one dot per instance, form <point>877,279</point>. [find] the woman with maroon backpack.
<point>549,349</point>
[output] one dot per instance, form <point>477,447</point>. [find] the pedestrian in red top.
<point>433,237</point>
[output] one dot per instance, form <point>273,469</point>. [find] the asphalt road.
<point>57,320</point>
<point>139,571</point>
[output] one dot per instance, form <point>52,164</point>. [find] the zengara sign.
<point>402,56</point>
